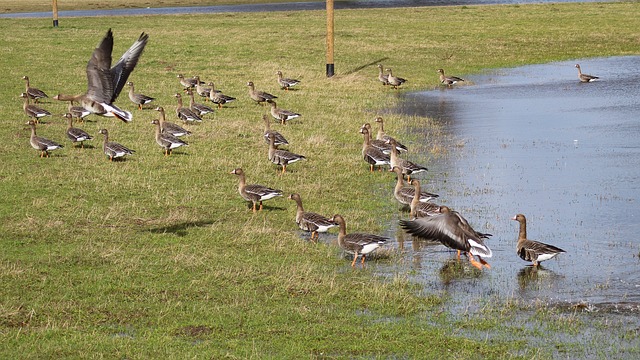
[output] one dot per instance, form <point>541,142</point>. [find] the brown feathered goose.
<point>404,194</point>
<point>113,149</point>
<point>279,138</point>
<point>384,79</point>
<point>33,111</point>
<point>310,221</point>
<point>286,83</point>
<point>281,157</point>
<point>418,208</point>
<point>187,83</point>
<point>200,109</point>
<point>33,93</point>
<point>138,99</point>
<point>200,89</point>
<point>357,243</point>
<point>531,250</point>
<point>185,114</point>
<point>585,77</point>
<point>372,155</point>
<point>281,115</point>
<point>167,141</point>
<point>408,168</point>
<point>382,145</point>
<point>217,97</point>
<point>448,80</point>
<point>105,82</point>
<point>382,136</point>
<point>259,96</point>
<point>253,192</point>
<point>169,127</point>
<point>76,135</point>
<point>41,144</point>
<point>77,112</point>
<point>448,228</point>
<point>394,81</point>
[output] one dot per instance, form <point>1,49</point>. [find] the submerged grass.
<point>159,256</point>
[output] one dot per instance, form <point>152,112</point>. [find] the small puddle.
<point>534,140</point>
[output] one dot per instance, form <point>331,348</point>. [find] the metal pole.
<point>330,65</point>
<point>54,5</point>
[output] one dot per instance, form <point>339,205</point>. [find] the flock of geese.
<point>427,220</point>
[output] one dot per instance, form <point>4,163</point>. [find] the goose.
<point>169,127</point>
<point>167,141</point>
<point>199,109</point>
<point>217,97</point>
<point>408,167</point>
<point>372,155</point>
<point>448,229</point>
<point>382,136</point>
<point>185,114</point>
<point>531,250</point>
<point>186,83</point>
<point>281,157</point>
<point>104,82</point>
<point>138,99</point>
<point>281,115</point>
<point>33,111</point>
<point>259,96</point>
<point>286,83</point>
<point>77,112</point>
<point>74,134</point>
<point>278,138</point>
<point>585,77</point>
<point>357,243</point>
<point>394,81</point>
<point>448,80</point>
<point>310,221</point>
<point>405,194</point>
<point>384,79</point>
<point>113,149</point>
<point>378,144</point>
<point>253,192</point>
<point>200,89</point>
<point>418,207</point>
<point>33,93</point>
<point>44,145</point>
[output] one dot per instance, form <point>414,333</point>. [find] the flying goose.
<point>186,114</point>
<point>357,243</point>
<point>169,127</point>
<point>259,96</point>
<point>394,81</point>
<point>281,157</point>
<point>286,83</point>
<point>253,192</point>
<point>531,250</point>
<point>113,149</point>
<point>310,221</point>
<point>138,99</point>
<point>74,134</point>
<point>33,111</point>
<point>585,77</point>
<point>33,93</point>
<point>41,144</point>
<point>448,228</point>
<point>279,138</point>
<point>105,82</point>
<point>448,80</point>
<point>167,141</point>
<point>372,155</point>
<point>281,115</point>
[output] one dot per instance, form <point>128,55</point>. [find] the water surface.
<point>534,140</point>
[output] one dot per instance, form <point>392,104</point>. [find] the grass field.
<point>159,257</point>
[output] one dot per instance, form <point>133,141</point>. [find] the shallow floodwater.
<point>534,140</point>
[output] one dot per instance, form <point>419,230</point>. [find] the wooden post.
<point>330,65</point>
<point>54,5</point>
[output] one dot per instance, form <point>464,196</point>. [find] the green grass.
<point>159,256</point>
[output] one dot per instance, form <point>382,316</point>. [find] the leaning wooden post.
<point>330,65</point>
<point>54,4</point>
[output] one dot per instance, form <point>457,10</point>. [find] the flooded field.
<point>534,140</point>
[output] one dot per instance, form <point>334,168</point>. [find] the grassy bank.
<point>159,256</point>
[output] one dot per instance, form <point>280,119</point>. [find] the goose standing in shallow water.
<point>419,208</point>
<point>281,157</point>
<point>106,82</point>
<point>76,135</point>
<point>448,228</point>
<point>33,111</point>
<point>113,149</point>
<point>310,221</point>
<point>357,243</point>
<point>167,141</point>
<point>286,83</point>
<point>253,192</point>
<point>408,168</point>
<point>530,250</point>
<point>405,194</point>
<point>585,77</point>
<point>448,80</point>
<point>41,144</point>
<point>169,127</point>
<point>33,93</point>
<point>138,99</point>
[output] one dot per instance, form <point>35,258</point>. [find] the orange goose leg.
<point>355,257</point>
<point>362,261</point>
<point>484,262</point>
<point>474,262</point>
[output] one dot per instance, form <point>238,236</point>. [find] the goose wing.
<point>121,70</point>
